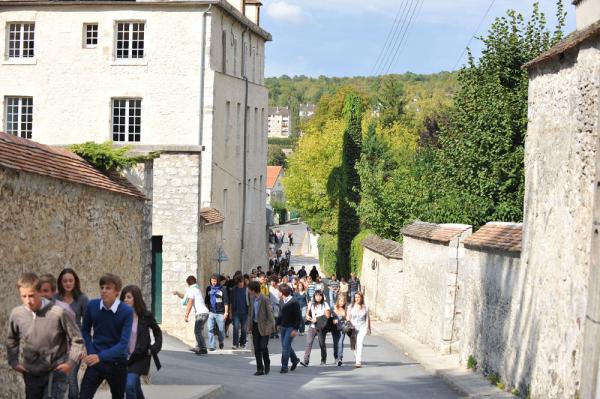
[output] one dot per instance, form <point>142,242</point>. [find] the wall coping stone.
<point>497,236</point>
<point>438,233</point>
<point>388,248</point>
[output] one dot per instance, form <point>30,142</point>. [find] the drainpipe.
<point>455,295</point>
<point>202,73</point>
<point>245,157</point>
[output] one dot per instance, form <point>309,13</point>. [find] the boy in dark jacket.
<point>289,320</point>
<point>46,331</point>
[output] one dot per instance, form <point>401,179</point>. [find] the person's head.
<point>314,268</point>
<point>352,275</point>
<point>239,281</point>
<point>254,288</point>
<point>333,277</point>
<point>274,280</point>
<point>253,271</point>
<point>132,296</point>
<point>285,279</point>
<point>303,267</point>
<point>29,291</point>
<point>191,280</point>
<point>259,268</point>
<point>359,298</point>
<point>285,290</point>
<point>110,286</point>
<point>341,301</point>
<point>309,279</point>
<point>319,298</point>
<point>343,280</point>
<point>214,280</point>
<point>68,283</point>
<point>301,286</point>
<point>246,279</point>
<point>262,278</point>
<point>223,280</point>
<point>318,279</point>
<point>47,286</point>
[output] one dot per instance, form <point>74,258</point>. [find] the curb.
<point>214,392</point>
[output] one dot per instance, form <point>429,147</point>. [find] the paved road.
<point>386,373</point>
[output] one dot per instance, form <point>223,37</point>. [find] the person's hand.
<point>186,318</point>
<point>294,333</point>
<point>20,368</point>
<point>63,367</point>
<point>91,360</point>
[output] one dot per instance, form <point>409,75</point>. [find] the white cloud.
<point>284,11</point>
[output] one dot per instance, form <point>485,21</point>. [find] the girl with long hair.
<point>301,297</point>
<point>339,320</point>
<point>359,317</point>
<point>318,307</point>
<point>140,349</point>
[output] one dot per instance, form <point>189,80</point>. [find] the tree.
<point>349,189</point>
<point>276,156</point>
<point>391,100</point>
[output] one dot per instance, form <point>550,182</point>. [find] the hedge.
<point>327,245</point>
<point>356,251</point>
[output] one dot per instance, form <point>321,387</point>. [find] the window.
<point>90,32</point>
<point>227,127</point>
<point>224,50</point>
<point>19,116</point>
<point>130,40</point>
<point>21,40</point>
<point>127,119</point>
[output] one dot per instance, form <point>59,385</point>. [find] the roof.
<point>283,111</point>
<point>28,156</point>
<point>573,40</point>
<point>211,216</point>
<point>497,236</point>
<point>440,233</point>
<point>388,248</point>
<point>273,173</point>
<point>223,4</point>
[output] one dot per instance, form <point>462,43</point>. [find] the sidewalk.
<point>465,382</point>
<point>175,392</point>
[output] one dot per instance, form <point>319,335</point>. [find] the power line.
<point>404,39</point>
<point>474,33</point>
<point>396,36</point>
<point>235,178</point>
<point>389,35</point>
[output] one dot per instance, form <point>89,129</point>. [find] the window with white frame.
<point>130,40</point>
<point>19,116</point>
<point>90,34</point>
<point>21,40</point>
<point>127,119</point>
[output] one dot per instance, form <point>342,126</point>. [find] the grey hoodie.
<point>48,337</point>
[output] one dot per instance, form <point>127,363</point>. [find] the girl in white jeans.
<point>359,317</point>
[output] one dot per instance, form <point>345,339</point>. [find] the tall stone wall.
<point>490,295</point>
<point>383,285</point>
<point>50,224</point>
<point>176,217</point>
<point>560,172</point>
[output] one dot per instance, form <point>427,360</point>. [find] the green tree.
<point>349,188</point>
<point>276,156</point>
<point>391,100</point>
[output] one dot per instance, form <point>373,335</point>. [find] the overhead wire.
<point>396,36</point>
<point>404,40</point>
<point>390,34</point>
<point>474,34</point>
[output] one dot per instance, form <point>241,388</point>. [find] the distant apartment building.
<point>185,78</point>
<point>279,123</point>
<point>306,110</point>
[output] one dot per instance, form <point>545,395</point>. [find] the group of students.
<point>270,305</point>
<point>57,329</point>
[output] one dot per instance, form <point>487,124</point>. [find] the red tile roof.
<point>440,233</point>
<point>273,173</point>
<point>211,216</point>
<point>28,156</point>
<point>497,236</point>
<point>388,248</point>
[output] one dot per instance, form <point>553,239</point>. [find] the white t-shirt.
<point>318,311</point>
<point>193,292</point>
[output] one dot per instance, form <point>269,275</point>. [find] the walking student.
<point>260,315</point>
<point>316,309</point>
<point>140,347</point>
<point>69,291</point>
<point>290,319</point>
<point>353,285</point>
<point>338,333</point>
<point>301,297</point>
<point>333,288</point>
<point>217,302</point>
<point>51,342</point>
<point>359,317</point>
<point>239,304</point>
<point>107,347</point>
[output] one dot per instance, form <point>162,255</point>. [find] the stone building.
<point>279,122</point>
<point>57,211</point>
<point>185,78</point>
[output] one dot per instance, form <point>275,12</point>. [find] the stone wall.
<point>176,218</point>
<point>50,224</point>
<point>382,280</point>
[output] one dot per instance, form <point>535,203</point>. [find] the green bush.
<point>327,245</point>
<point>356,252</point>
<point>282,141</point>
<point>106,158</point>
<point>471,363</point>
<point>493,378</point>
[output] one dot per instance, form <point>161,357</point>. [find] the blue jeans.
<point>303,324</point>
<point>218,320</point>
<point>39,386</point>
<point>73,384</point>
<point>115,373</point>
<point>338,344</point>
<point>240,321</point>
<point>199,330</point>
<point>133,390</point>
<point>287,352</point>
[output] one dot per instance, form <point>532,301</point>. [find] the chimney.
<point>238,4</point>
<point>252,10</point>
<point>587,11</point>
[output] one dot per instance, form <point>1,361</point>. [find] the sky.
<point>346,37</point>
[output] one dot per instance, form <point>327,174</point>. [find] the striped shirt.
<point>312,287</point>
<point>354,285</point>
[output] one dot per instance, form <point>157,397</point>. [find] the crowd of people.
<point>278,305</point>
<point>57,328</point>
